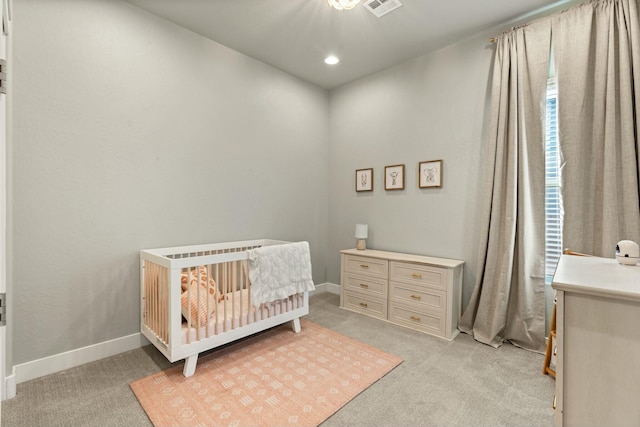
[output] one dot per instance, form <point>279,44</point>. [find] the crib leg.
<point>190,365</point>
<point>295,323</point>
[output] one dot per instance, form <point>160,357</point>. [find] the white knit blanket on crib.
<point>279,271</point>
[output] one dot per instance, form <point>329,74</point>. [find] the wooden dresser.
<point>598,342</point>
<point>419,292</point>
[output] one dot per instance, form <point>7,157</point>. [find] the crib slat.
<point>229,279</point>
<point>215,326</point>
<point>246,285</point>
<point>152,306</point>
<point>232,301</point>
<point>234,281</point>
<point>154,293</point>
<point>238,280</point>
<point>198,310</point>
<point>164,303</point>
<point>209,278</point>
<point>188,302</point>
<point>226,292</point>
<point>160,301</point>
<point>147,279</point>
<point>157,306</point>
<point>147,298</point>
<point>157,301</point>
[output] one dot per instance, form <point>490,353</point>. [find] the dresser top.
<point>397,256</point>
<point>597,276</point>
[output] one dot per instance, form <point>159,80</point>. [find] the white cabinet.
<point>419,292</point>
<point>598,342</point>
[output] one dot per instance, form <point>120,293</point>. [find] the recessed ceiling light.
<point>331,60</point>
<point>344,4</point>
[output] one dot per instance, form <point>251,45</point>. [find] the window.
<point>553,198</point>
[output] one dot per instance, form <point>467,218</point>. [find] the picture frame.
<point>364,180</point>
<point>430,174</point>
<point>394,177</point>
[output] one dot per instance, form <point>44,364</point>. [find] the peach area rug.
<point>274,378</point>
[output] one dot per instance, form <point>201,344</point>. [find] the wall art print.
<point>394,177</point>
<point>364,179</point>
<point>430,174</point>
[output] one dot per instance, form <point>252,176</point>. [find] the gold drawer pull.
<point>416,297</point>
<point>417,319</point>
<point>364,266</point>
<point>416,275</point>
<point>364,304</point>
<point>554,402</point>
<point>555,350</point>
<point>364,285</point>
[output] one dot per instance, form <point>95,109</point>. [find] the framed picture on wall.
<point>394,177</point>
<point>430,174</point>
<point>364,180</point>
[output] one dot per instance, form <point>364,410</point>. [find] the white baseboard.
<point>70,359</point>
<point>332,288</point>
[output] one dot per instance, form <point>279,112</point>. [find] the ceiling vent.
<point>382,7</point>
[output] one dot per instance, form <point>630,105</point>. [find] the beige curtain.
<point>508,300</point>
<point>597,56</point>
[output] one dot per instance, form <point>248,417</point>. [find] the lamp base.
<point>362,245</point>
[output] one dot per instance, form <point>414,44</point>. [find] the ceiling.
<point>296,35</point>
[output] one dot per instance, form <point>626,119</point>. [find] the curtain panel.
<point>597,65</point>
<point>597,57</point>
<point>508,300</point>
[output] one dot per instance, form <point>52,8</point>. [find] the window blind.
<point>553,197</point>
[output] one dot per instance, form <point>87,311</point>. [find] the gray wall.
<point>128,133</point>
<point>432,107</point>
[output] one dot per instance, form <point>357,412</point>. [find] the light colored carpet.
<point>275,378</point>
<point>439,383</point>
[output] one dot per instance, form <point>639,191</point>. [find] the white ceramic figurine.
<point>627,252</point>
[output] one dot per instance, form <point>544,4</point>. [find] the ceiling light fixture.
<point>331,60</point>
<point>343,4</point>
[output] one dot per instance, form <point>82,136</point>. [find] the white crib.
<point>214,307</point>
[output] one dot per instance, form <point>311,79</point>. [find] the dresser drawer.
<point>418,274</point>
<point>421,297</point>
<point>367,266</point>
<point>421,320</point>
<point>364,304</point>
<point>366,285</point>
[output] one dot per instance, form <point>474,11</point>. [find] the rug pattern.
<point>275,378</point>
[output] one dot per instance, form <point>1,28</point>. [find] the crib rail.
<point>155,297</point>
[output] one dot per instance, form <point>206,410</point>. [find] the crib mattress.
<point>234,311</point>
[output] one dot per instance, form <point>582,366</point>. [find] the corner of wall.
<point>331,288</point>
<point>10,386</point>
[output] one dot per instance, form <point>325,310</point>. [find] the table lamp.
<point>361,235</point>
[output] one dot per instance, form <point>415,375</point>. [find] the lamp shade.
<point>361,231</point>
